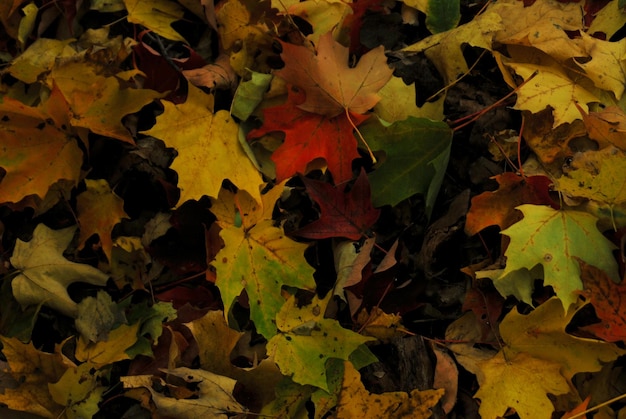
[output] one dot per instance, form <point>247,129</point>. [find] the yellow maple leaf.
<point>236,23</point>
<point>445,48</point>
<point>541,25</point>
<point>33,370</point>
<point>99,210</point>
<point>552,87</point>
<point>217,341</point>
<point>607,67</point>
<point>518,381</point>
<point>157,15</point>
<point>99,103</point>
<point>45,129</point>
<point>542,334</point>
<point>323,15</point>
<point>355,401</point>
<point>397,103</point>
<point>208,148</point>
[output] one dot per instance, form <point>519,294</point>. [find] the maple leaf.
<point>45,273</point>
<point>416,156</point>
<point>34,370</point>
<point>607,298</point>
<point>114,349</point>
<point>498,207</point>
<point>527,392</point>
<point>445,48</point>
<point>398,102</point>
<point>355,401</point>
<point>554,239</point>
<point>607,127</point>
<point>599,178</point>
<point>79,390</point>
<point>545,327</point>
<point>208,147</point>
<point>43,128</point>
<point>343,214</point>
<point>550,87</point>
<point>157,15</point>
<point>99,210</point>
<point>257,257</point>
<point>307,340</point>
<point>543,26</point>
<point>331,86</point>
<point>217,342</point>
<point>99,103</point>
<point>309,136</point>
<point>607,67</point>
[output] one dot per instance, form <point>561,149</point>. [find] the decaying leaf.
<point>355,401</point>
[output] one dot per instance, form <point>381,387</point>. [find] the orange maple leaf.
<point>331,86</point>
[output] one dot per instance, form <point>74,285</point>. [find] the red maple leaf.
<point>309,136</point>
<point>609,300</point>
<point>343,214</point>
<point>498,207</point>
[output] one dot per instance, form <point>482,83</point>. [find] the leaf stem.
<point>369,150</point>
<point>597,407</point>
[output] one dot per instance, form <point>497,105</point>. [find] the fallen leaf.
<point>331,87</point>
<point>607,126</point>
<point>498,207</point>
<point>445,49</point>
<point>156,15</point>
<point>212,399</point>
<point>103,353</point>
<point>44,274</point>
<point>259,258</point>
<point>355,401</point>
<point>542,26</point>
<point>550,87</point>
<point>343,214</point>
<point>193,129</point>
<point>542,334</point>
<point>99,210</point>
<point>44,128</point>
<point>598,177</point>
<point>306,341</point>
<point>607,67</point>
<point>79,390</point>
<point>34,370</point>
<point>398,102</point>
<point>416,153</point>
<point>527,393</point>
<point>99,103</point>
<point>554,239</point>
<point>606,297</point>
<point>217,75</point>
<point>216,342</point>
<point>310,136</point>
<point>249,94</point>
<point>447,378</point>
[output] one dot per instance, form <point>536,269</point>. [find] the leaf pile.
<point>243,208</point>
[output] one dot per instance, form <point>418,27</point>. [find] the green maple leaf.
<point>260,260</point>
<point>45,273</point>
<point>307,341</point>
<point>416,153</point>
<point>555,239</point>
